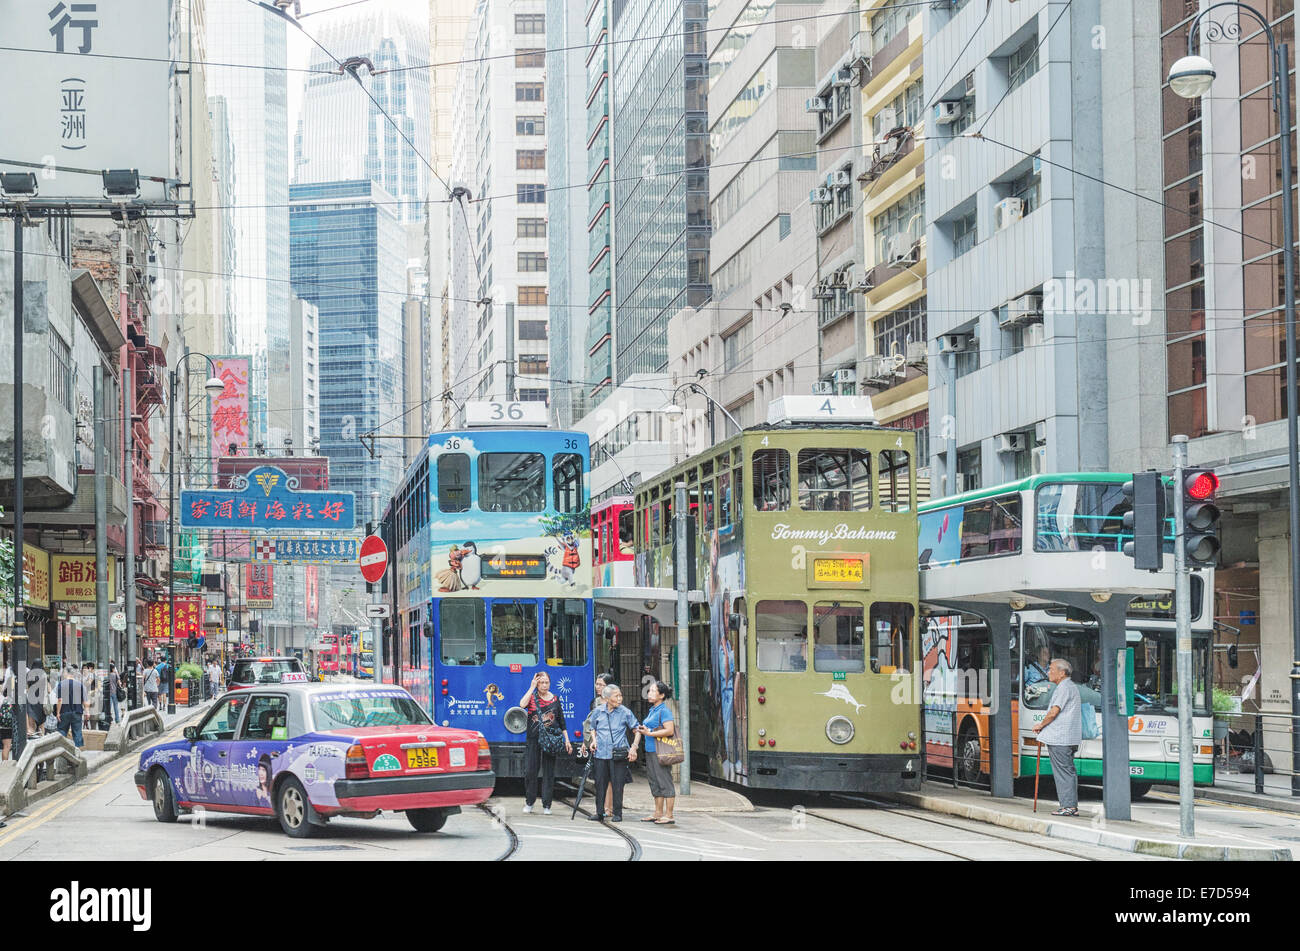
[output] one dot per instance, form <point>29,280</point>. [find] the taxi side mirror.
<point>191,733</point>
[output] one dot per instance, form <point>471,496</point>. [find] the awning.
<point>658,603</point>
<point>90,304</point>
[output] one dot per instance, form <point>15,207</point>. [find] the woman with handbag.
<point>610,722</point>
<point>548,734</point>
<point>663,750</point>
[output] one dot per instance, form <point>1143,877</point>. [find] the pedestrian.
<point>94,704</point>
<point>610,723</point>
<point>37,687</point>
<point>659,723</point>
<point>1061,731</point>
<point>114,688</point>
<point>150,684</point>
<point>214,677</point>
<point>544,712</point>
<point>602,681</point>
<point>70,708</point>
<point>7,681</point>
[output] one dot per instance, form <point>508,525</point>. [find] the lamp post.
<point>1191,78</point>
<point>672,409</point>
<point>214,388</point>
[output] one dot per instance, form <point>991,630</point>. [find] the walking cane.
<point>1038,759</point>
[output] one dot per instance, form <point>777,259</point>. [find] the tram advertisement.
<point>725,697</point>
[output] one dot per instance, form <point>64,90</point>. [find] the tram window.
<point>771,480</point>
<point>453,482</point>
<point>514,633</point>
<point>566,475</point>
<point>706,499</point>
<point>463,636</point>
<point>625,540</point>
<point>991,527</point>
<point>895,480</point>
<point>655,537</point>
<point>781,635</point>
<point>724,499</point>
<point>1079,516</point>
<point>566,632</point>
<point>838,637</point>
<point>834,480</point>
<point>891,636</point>
<point>511,481</point>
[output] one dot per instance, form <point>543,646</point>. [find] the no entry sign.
<point>374,558</point>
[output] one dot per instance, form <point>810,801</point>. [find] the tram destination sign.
<point>515,566</point>
<point>268,499</point>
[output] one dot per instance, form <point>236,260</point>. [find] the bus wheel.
<point>968,754</point>
<point>1139,790</point>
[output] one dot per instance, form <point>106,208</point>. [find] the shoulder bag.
<point>550,738</point>
<point>617,754</point>
<point>669,748</point>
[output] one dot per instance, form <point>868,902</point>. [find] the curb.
<point>1104,838</point>
<point>1236,798</point>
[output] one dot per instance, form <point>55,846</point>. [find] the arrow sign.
<point>377,610</point>
<point>374,558</point>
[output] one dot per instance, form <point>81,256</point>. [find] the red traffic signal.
<point>1200,485</point>
<point>1200,518</point>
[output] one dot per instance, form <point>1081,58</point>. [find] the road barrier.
<point>135,724</point>
<point>40,764</point>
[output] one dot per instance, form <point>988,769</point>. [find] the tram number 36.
<point>507,410</point>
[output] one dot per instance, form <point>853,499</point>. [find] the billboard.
<point>259,586</point>
<point>305,550</point>
<point>312,472</point>
<point>189,618</point>
<point>268,499</point>
<point>230,424</point>
<point>96,85</point>
<point>73,577</point>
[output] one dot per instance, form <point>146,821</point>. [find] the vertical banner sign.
<point>230,407</point>
<point>189,619</point>
<point>312,590</point>
<point>36,577</point>
<point>90,70</point>
<point>259,589</point>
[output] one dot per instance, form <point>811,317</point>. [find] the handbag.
<point>550,738</point>
<point>617,754</point>
<point>668,749</point>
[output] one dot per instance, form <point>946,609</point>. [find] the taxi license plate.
<point>837,569</point>
<point>421,759</point>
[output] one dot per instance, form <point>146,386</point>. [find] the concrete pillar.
<point>1275,647</point>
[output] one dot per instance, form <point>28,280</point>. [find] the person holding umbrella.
<point>609,747</point>
<point>545,714</point>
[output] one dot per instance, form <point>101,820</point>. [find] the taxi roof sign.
<point>293,677</point>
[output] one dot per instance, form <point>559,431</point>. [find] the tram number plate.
<point>421,758</point>
<point>837,569</point>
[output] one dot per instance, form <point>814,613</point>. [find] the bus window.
<point>1080,649</point>
<point>566,632</point>
<point>1079,516</point>
<point>453,482</point>
<point>771,480</point>
<point>566,475</point>
<point>511,481</point>
<point>625,540</point>
<point>1155,674</point>
<point>464,639</point>
<point>514,633</point>
<point>891,636</point>
<point>837,634</point>
<point>834,480</point>
<point>895,481</point>
<point>781,635</point>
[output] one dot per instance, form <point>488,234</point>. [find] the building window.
<point>532,364</point>
<point>532,396</point>
<point>532,296</point>
<point>905,220</point>
<point>906,110</point>
<point>1027,187</point>
<point>530,194</point>
<point>735,346</point>
<point>530,228</point>
<point>530,125</point>
<point>968,358</point>
<point>894,331</point>
<point>60,372</point>
<point>530,59</point>
<point>529,92</point>
<point>530,158</point>
<point>532,330</point>
<point>530,23</point>
<point>965,235</point>
<point>888,21</point>
<point>1022,63</point>
<point>970,469</point>
<point>532,260</point>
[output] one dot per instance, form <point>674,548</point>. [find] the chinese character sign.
<point>230,407</point>
<point>268,499</point>
<point>92,69</point>
<point>36,577</point>
<point>73,578</point>
<point>259,586</point>
<point>189,618</point>
<point>306,550</point>
<point>311,584</point>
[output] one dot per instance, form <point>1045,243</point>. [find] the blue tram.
<point>490,581</point>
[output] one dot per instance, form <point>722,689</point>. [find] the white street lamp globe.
<point>1191,77</point>
<point>214,387</point>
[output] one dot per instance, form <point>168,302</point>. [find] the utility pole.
<point>376,624</point>
<point>683,635</point>
<point>102,634</point>
<point>18,644</point>
<point>1183,644</point>
<point>128,476</point>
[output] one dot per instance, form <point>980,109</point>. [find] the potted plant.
<point>190,675</point>
<point>1224,702</point>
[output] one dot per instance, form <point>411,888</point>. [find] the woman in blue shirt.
<point>610,722</point>
<point>659,722</point>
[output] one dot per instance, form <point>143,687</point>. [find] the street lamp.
<point>1190,78</point>
<point>214,388</point>
<point>672,409</point>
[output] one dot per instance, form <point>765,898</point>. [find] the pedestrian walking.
<point>547,735</point>
<point>37,688</point>
<point>151,684</point>
<point>7,682</point>
<point>71,708</point>
<point>659,723</point>
<point>1061,732</point>
<point>114,689</point>
<point>610,722</point>
<point>214,677</point>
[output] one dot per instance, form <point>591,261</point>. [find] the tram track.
<point>634,847</point>
<point>511,835</point>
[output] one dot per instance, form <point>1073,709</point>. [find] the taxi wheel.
<point>292,809</point>
<point>427,820</point>
<point>164,804</point>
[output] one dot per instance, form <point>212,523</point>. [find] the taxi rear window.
<point>264,671</point>
<point>366,709</point>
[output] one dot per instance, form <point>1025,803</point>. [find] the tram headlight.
<point>839,730</point>
<point>516,720</point>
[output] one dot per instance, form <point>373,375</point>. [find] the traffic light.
<point>1200,518</point>
<point>1145,520</point>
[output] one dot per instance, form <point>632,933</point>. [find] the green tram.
<point>804,651</point>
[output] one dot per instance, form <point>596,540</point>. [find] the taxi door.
<point>210,754</point>
<point>263,737</point>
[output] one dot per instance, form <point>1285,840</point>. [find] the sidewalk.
<point>1220,833</point>
<point>1239,788</point>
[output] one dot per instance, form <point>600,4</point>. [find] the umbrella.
<point>582,785</point>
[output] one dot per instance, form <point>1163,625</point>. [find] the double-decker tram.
<point>1067,531</point>
<point>490,575</point>
<point>799,539</point>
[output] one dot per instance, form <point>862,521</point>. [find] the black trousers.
<point>533,758</point>
<point>609,772</point>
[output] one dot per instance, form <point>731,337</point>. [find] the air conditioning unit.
<point>1011,442</point>
<point>947,112</point>
<point>918,353</point>
<point>1008,211</point>
<point>817,104</point>
<point>820,196</point>
<point>843,76</point>
<point>887,120</point>
<point>953,343</point>
<point>823,388</point>
<point>838,278</point>
<point>900,251</point>
<point>846,375</point>
<point>1038,458</point>
<point>1025,308</point>
<point>863,285</point>
<point>841,177</point>
<point>877,370</point>
<point>859,58</point>
<point>823,292</point>
<point>1034,335</point>
<point>887,148</point>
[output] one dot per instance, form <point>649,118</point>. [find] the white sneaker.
<point>546,812</point>
<point>527,809</point>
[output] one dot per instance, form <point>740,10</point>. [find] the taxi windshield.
<point>366,709</point>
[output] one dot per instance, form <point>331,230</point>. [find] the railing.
<point>40,762</point>
<point>135,724</point>
<point>1246,751</point>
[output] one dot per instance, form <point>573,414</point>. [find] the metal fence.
<point>1245,750</point>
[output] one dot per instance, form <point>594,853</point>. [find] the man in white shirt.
<point>1061,731</point>
<point>214,677</point>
